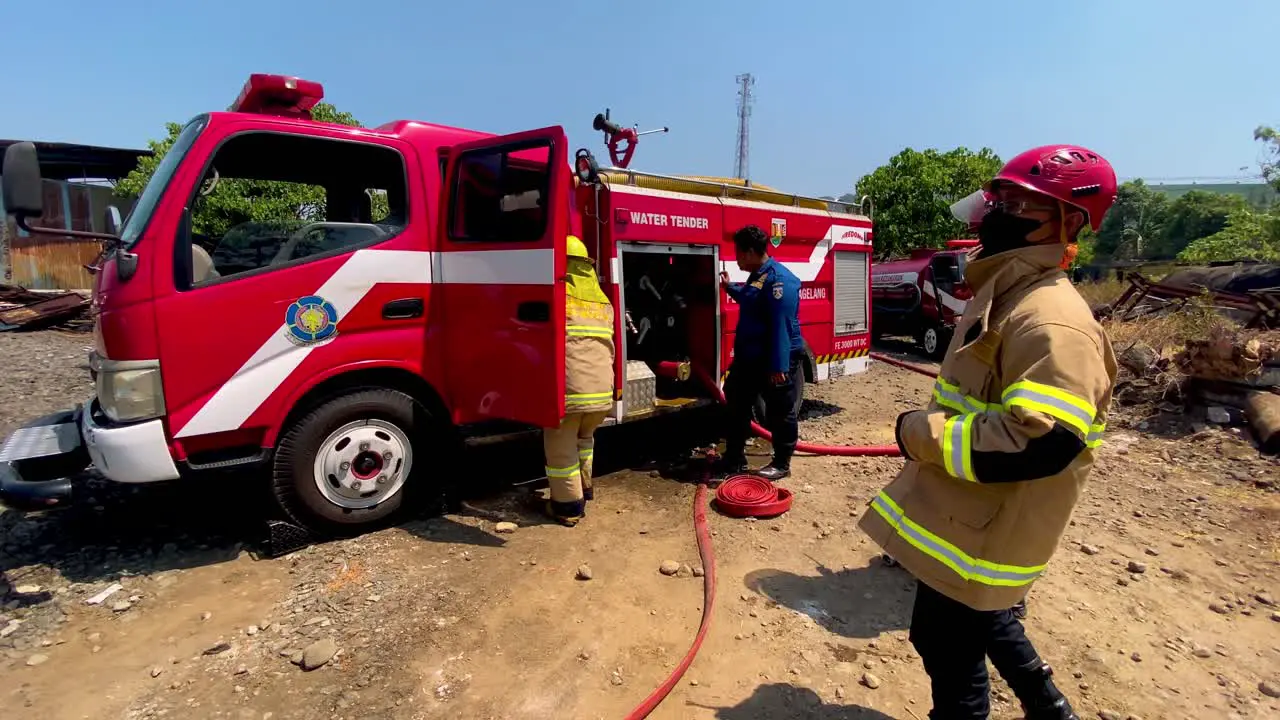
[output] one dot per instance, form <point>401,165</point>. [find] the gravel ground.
<point>44,372</point>
<point>1161,602</point>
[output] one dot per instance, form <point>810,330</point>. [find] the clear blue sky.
<point>1163,88</point>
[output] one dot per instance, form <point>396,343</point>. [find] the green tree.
<point>1248,235</point>
<point>1134,224</point>
<point>1270,137</point>
<point>233,201</point>
<point>1194,215</point>
<point>913,192</point>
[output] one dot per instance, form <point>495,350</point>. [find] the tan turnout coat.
<point>1027,354</point>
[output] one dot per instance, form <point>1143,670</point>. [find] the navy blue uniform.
<point>767,342</point>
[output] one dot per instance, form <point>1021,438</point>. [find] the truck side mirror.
<point>111,220</point>
<point>20,178</point>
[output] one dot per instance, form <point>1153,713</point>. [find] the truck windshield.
<point>146,205</point>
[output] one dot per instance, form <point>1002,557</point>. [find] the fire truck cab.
<point>922,296</point>
<point>344,344</point>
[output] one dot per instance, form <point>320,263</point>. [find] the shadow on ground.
<point>853,603</point>
<point>779,701</point>
<point>113,529</point>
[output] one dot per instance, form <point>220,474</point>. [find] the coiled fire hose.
<point>746,490</point>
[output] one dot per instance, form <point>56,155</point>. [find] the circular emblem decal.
<point>311,319</point>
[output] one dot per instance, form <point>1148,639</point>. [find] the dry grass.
<point>1169,333</point>
<point>1103,292</point>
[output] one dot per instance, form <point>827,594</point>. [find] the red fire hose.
<point>746,492</point>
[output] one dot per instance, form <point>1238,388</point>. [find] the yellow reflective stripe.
<point>562,472</point>
<point>948,395</point>
<point>587,398</point>
<point>1058,404</point>
<point>965,565</point>
<point>1094,438</point>
<point>957,447</point>
<point>589,331</point>
<point>585,454</point>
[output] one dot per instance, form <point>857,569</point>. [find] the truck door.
<point>503,229</point>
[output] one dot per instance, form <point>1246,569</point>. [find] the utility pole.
<point>742,162</point>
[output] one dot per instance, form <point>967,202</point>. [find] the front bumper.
<point>39,460</point>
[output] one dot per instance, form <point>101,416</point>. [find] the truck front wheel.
<point>347,465</point>
<point>934,339</point>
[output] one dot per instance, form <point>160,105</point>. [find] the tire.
<point>934,339</point>
<point>384,433</point>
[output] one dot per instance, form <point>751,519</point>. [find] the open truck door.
<point>502,256</point>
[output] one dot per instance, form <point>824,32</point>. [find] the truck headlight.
<point>128,390</point>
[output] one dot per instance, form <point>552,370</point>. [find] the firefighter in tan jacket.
<point>588,366</point>
<point>999,458</point>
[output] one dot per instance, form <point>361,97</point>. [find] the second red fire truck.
<point>342,346</point>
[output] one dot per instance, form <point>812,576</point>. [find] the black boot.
<point>728,467</point>
<point>774,472</point>
<point>1041,699</point>
<point>568,514</point>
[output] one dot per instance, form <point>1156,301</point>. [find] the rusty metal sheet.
<point>42,313</point>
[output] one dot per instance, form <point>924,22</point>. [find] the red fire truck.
<point>343,346</point>
<point>922,296</point>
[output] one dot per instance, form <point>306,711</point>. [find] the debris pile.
<point>22,309</point>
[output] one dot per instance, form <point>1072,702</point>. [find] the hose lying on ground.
<point>703,534</point>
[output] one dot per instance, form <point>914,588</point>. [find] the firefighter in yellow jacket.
<point>999,458</point>
<point>588,366</point>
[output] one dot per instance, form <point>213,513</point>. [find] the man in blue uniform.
<point>768,355</point>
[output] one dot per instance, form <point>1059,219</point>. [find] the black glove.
<point>897,434</point>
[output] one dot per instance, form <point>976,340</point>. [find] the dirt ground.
<point>1161,602</point>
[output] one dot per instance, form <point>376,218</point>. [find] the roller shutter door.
<point>851,292</point>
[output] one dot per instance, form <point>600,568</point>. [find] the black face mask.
<point>1001,231</point>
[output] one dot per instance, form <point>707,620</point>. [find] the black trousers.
<point>750,380</point>
<point>954,641</point>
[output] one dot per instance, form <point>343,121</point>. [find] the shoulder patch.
<point>777,291</point>
<point>758,284</point>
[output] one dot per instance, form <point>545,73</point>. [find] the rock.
<point>217,649</point>
<point>1138,358</point>
<point>1217,415</point>
<point>318,654</point>
<point>26,589</point>
<point>296,657</point>
<point>1201,652</point>
<point>1266,687</point>
<point>251,630</point>
<point>1152,552</point>
<point>669,567</point>
<point>1220,608</point>
<point>870,680</point>
<point>1136,656</point>
<point>155,671</point>
<point>1108,715</point>
<point>584,572</point>
<point>122,606</point>
<point>37,659</point>
<point>205,615</point>
<point>615,678</point>
<point>1275,617</point>
<point>1089,549</point>
<point>685,571</point>
<point>1137,567</point>
<point>698,571</point>
<point>1265,599</point>
<point>506,528</point>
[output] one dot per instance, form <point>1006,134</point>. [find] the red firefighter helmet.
<point>1072,174</point>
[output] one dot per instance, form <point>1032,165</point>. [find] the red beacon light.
<point>960,244</point>
<point>278,95</point>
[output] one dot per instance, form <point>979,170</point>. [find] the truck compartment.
<point>671,316</point>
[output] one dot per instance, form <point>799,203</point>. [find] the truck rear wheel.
<point>347,465</point>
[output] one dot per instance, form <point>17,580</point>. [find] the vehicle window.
<point>131,232</point>
<point>270,200</point>
<point>500,194</point>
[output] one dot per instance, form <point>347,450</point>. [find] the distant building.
<point>78,187</point>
